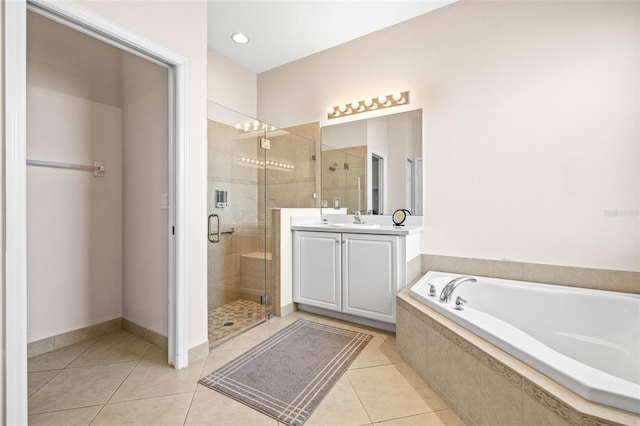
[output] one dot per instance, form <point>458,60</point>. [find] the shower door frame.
<point>15,188</point>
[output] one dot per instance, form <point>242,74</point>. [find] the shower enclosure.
<point>253,168</point>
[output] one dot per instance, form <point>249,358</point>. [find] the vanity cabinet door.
<point>370,278</point>
<point>317,269</point>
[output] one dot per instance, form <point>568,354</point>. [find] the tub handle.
<point>432,290</point>
<point>460,303</point>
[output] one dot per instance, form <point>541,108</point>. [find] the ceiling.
<point>284,31</point>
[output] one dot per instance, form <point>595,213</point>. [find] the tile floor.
<point>120,379</point>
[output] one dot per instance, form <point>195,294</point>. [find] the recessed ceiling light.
<point>240,38</point>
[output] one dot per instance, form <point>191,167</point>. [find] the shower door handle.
<point>211,235</point>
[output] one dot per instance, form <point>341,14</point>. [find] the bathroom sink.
<point>355,225</point>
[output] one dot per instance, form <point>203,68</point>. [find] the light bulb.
<point>355,105</point>
<point>368,102</point>
<point>342,108</point>
<point>240,38</point>
<point>331,110</point>
<point>396,96</point>
<point>382,99</point>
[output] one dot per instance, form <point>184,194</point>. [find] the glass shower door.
<point>289,179</point>
<point>254,171</point>
<point>237,256</point>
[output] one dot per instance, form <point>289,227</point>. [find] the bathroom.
<point>530,141</point>
<point>519,182</point>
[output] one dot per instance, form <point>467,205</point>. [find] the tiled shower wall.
<point>599,279</point>
<point>224,264</point>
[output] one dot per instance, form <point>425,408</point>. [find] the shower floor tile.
<point>232,317</point>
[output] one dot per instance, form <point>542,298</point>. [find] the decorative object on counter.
<point>369,104</point>
<point>399,216</point>
<point>289,374</point>
<point>336,203</point>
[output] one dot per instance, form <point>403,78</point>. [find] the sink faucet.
<point>447,291</point>
<point>356,218</point>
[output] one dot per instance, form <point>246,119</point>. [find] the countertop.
<point>360,229</point>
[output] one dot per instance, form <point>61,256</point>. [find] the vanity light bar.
<point>369,104</point>
<point>268,163</point>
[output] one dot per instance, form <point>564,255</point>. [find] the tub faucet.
<point>447,291</point>
<point>357,218</point>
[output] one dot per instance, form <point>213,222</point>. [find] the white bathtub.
<point>586,340</point>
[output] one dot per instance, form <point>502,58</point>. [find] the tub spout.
<point>447,291</point>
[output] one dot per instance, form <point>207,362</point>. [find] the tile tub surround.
<point>599,279</point>
<point>483,384</point>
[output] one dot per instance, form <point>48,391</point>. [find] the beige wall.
<point>530,123</point>
<point>74,220</point>
<point>231,85</point>
<point>182,27</point>
<point>144,179</point>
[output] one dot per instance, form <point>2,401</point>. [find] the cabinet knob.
<point>344,241</point>
<point>337,241</point>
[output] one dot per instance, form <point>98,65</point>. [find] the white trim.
<point>179,321</point>
<point>15,321</point>
<point>15,226</point>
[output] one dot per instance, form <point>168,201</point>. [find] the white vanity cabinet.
<point>317,269</point>
<point>352,273</point>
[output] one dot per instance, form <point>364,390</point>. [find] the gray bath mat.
<point>287,375</point>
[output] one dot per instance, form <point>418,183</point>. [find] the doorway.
<point>377,184</point>
<point>15,321</point>
<point>97,245</point>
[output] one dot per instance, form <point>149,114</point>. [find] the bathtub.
<point>586,340</point>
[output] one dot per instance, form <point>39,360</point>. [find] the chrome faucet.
<point>447,291</point>
<point>356,218</point>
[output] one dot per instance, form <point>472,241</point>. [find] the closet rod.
<point>97,168</point>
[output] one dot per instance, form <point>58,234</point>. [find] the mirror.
<point>373,165</point>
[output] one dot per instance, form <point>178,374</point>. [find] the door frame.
<point>382,164</point>
<point>15,183</point>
